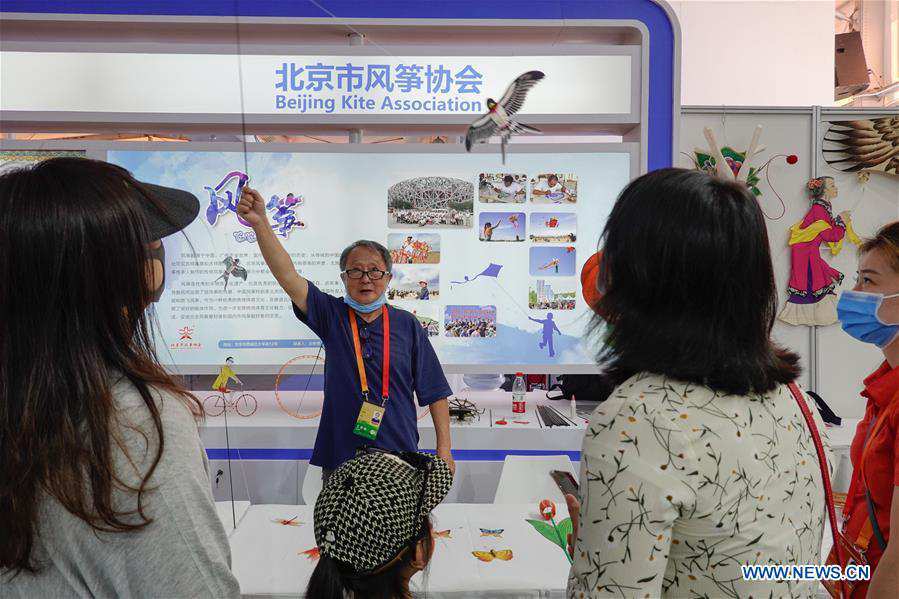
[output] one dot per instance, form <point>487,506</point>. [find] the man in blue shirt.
<point>414,367</point>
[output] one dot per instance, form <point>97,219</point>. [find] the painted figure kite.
<point>232,268</point>
<point>812,300</point>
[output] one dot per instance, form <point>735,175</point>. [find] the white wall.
<point>783,134</point>
<point>756,53</point>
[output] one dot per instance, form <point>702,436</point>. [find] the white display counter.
<point>269,561</point>
<point>270,450</point>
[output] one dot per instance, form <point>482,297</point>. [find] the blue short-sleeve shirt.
<point>414,368</point>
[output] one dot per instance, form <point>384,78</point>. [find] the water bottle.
<point>518,390</point>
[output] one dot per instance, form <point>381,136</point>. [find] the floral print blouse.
<point>681,485</point>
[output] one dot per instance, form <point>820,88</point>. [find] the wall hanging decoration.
<point>863,146</point>
<point>812,300</point>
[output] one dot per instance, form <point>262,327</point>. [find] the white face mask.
<point>365,308</point>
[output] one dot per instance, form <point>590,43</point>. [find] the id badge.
<point>369,420</point>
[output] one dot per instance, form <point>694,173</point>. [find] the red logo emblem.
<point>185,333</point>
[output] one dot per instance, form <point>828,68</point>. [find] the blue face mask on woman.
<point>365,308</point>
<point>857,312</point>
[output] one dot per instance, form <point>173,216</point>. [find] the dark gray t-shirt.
<point>184,552</point>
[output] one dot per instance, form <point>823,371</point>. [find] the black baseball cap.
<point>179,208</point>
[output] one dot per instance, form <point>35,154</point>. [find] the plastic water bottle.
<point>518,390</point>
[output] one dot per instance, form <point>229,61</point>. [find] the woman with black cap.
<point>372,524</point>
<point>104,490</point>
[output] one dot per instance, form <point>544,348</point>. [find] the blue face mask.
<point>365,308</point>
<point>857,312</point>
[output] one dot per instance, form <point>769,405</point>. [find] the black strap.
<point>878,534</point>
<point>827,415</point>
<point>872,516</point>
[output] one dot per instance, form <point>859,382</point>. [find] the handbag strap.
<point>825,477</point>
<point>865,535</point>
<point>872,518</point>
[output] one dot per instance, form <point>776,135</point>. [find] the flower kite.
<point>554,533</point>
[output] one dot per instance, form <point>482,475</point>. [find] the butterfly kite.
<point>488,556</point>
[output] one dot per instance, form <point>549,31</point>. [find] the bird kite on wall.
<point>863,146</point>
<point>735,166</point>
<point>498,120</point>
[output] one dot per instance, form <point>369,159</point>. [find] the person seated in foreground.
<point>372,524</point>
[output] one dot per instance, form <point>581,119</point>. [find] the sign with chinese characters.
<point>602,84</point>
<point>412,86</point>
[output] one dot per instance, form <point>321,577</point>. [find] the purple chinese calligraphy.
<point>222,200</point>
<point>282,211</point>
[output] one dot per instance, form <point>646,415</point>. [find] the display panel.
<point>469,270</point>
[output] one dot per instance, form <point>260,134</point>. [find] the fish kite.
<point>498,120</point>
<point>312,554</point>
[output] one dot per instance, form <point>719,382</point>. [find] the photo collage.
<point>547,229</point>
<point>538,213</point>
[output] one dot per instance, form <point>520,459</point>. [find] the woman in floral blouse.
<point>700,460</point>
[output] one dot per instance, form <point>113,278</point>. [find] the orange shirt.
<point>881,467</point>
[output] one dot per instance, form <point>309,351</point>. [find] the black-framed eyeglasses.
<point>374,274</point>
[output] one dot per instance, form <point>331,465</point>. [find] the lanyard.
<point>385,372</point>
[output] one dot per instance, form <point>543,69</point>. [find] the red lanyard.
<point>385,373</point>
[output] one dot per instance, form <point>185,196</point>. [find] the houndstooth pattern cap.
<point>365,514</point>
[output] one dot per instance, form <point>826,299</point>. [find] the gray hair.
<point>372,245</point>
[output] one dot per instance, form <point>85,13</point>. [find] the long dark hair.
<point>688,286</point>
<point>333,579</point>
<point>74,270</point>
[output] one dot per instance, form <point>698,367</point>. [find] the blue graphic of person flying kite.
<point>549,326</point>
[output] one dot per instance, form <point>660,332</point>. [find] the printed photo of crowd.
<point>421,248</point>
<point>470,321</point>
